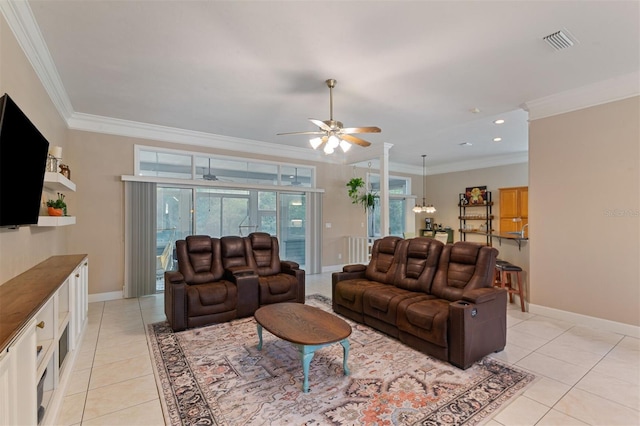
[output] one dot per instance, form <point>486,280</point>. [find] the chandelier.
<point>424,208</point>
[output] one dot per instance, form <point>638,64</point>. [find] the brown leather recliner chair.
<point>279,280</point>
<point>467,318</point>
<point>202,292</point>
<point>222,279</point>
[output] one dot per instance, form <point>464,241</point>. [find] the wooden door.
<point>509,203</point>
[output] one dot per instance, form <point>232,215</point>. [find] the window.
<point>184,165</point>
<point>398,189</point>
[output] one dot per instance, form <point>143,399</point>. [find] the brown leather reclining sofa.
<point>436,298</point>
<point>220,279</point>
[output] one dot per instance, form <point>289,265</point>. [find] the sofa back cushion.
<point>417,263</point>
<point>264,253</point>
<point>382,265</point>
<point>199,259</point>
<point>463,266</point>
<point>234,252</point>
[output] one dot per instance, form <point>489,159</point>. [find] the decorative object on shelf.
<point>424,208</point>
<point>57,207</point>
<point>53,159</point>
<point>65,171</point>
<point>52,164</point>
<point>332,133</point>
<point>475,195</point>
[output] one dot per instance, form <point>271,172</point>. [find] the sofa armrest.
<point>477,328</point>
<point>349,272</point>
<point>288,265</point>
<point>175,305</point>
<point>248,294</point>
<point>173,277</point>
<point>236,271</point>
<point>481,295</point>
<point>354,268</point>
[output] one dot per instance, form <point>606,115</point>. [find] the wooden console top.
<point>21,297</point>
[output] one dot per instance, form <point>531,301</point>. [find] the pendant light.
<point>424,208</point>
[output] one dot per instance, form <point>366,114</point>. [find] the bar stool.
<point>502,279</point>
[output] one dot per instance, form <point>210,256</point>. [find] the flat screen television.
<point>23,160</point>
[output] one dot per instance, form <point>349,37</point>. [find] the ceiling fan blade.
<point>301,133</point>
<point>369,129</point>
<point>356,140</point>
<point>321,124</point>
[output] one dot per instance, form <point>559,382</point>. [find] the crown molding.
<point>20,18</point>
<point>134,129</point>
<point>26,31</point>
<point>613,89</point>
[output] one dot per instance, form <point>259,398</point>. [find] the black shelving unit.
<point>476,218</point>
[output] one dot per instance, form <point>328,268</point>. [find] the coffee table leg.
<point>259,337</point>
<point>306,353</point>
<point>345,345</point>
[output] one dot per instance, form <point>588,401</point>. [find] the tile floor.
<point>585,376</point>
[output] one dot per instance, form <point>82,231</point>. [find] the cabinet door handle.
<point>40,324</point>
<point>77,275</point>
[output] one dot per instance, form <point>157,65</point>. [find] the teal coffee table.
<point>307,327</point>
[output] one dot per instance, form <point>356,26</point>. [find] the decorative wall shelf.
<point>57,182</point>
<point>56,220</point>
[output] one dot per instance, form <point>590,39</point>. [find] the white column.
<point>384,190</point>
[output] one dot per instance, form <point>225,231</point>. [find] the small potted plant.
<point>57,207</point>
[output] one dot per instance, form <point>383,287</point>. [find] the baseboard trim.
<point>587,321</point>
<point>103,297</point>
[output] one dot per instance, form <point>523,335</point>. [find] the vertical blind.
<point>140,239</point>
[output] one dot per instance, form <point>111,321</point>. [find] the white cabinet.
<point>56,182</point>
<point>45,313</point>
<point>18,377</point>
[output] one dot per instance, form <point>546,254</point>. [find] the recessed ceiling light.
<point>497,139</point>
<point>465,144</point>
<point>475,110</point>
<point>498,121</point>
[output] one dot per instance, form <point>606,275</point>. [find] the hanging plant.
<point>367,198</point>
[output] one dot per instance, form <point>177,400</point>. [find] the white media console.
<point>43,314</point>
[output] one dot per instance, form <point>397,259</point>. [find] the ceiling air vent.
<point>558,40</point>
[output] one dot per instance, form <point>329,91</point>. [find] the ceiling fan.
<point>332,133</point>
<point>210,176</point>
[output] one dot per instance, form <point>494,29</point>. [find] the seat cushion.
<point>348,293</point>
<point>277,288</point>
<point>211,298</point>
<point>425,318</point>
<point>382,302</point>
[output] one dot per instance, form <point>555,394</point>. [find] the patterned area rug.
<point>215,375</point>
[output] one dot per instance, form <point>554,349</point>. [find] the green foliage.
<point>367,199</point>
<point>57,203</point>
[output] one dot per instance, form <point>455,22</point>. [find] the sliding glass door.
<point>218,212</point>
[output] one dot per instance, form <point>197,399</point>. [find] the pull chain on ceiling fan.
<point>332,133</point>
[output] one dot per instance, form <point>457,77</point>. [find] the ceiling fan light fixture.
<point>429,209</point>
<point>315,142</point>
<point>333,132</point>
<point>424,208</point>
<point>333,141</point>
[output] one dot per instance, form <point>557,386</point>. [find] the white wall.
<point>584,211</point>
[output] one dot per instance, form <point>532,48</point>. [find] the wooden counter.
<point>21,297</point>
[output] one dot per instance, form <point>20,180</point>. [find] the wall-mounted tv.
<point>23,159</point>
